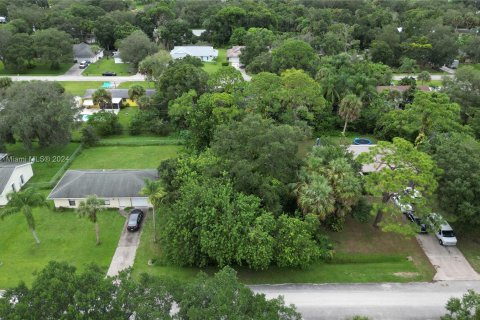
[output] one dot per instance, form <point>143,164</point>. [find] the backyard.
<point>124,157</point>
<point>212,67</point>
<point>38,70</point>
<point>64,236</point>
<point>107,65</point>
<point>48,160</point>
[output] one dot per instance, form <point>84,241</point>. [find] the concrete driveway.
<point>448,261</point>
<point>124,255</point>
<point>74,70</point>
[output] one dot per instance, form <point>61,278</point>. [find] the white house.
<point>356,150</point>
<point>13,175</point>
<point>118,188</point>
<point>198,32</point>
<point>204,53</point>
<point>233,55</point>
<point>3,19</point>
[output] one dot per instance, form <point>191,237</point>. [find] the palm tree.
<point>315,195</point>
<point>349,109</point>
<point>24,201</point>
<point>155,193</point>
<point>89,208</point>
<point>102,97</point>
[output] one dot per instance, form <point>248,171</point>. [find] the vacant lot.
<point>64,237</point>
<point>124,157</point>
<point>48,160</point>
<point>363,254</point>
<point>128,84</point>
<point>77,88</point>
<point>469,244</point>
<point>107,65</point>
<point>38,70</point>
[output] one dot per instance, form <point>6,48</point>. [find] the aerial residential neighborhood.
<point>211,159</point>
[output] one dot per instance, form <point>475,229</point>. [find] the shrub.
<point>361,211</point>
<point>89,136</point>
<point>105,123</point>
<point>225,64</point>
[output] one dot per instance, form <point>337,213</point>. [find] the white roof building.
<point>204,53</point>
<point>356,150</point>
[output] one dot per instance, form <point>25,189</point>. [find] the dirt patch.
<point>406,274</point>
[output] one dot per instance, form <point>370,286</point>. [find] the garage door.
<point>140,202</point>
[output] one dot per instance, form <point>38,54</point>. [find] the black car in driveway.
<point>109,74</point>
<point>135,219</point>
<point>413,218</point>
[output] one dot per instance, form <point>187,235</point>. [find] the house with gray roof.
<point>204,53</point>
<point>118,188</point>
<point>83,52</point>
<point>118,97</point>
<point>13,176</point>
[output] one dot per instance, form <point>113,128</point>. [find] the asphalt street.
<point>391,301</point>
<point>119,79</point>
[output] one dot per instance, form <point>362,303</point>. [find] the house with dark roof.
<point>83,52</point>
<point>13,176</point>
<point>118,188</point>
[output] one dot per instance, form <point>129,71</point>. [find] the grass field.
<point>64,237</point>
<point>77,88</point>
<point>128,84</point>
<point>363,254</point>
<point>48,160</point>
<point>469,244</point>
<point>212,67</point>
<point>38,70</point>
<point>124,157</point>
<point>104,65</point>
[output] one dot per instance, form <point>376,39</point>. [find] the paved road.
<point>448,261</point>
<point>124,255</point>
<point>377,301</point>
<point>137,77</point>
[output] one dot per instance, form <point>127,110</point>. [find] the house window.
<point>106,202</point>
<point>22,181</point>
<point>13,187</point>
<point>71,203</point>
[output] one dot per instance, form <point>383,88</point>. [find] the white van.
<point>444,233</point>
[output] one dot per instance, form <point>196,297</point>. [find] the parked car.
<point>443,231</point>
<point>404,207</point>
<point>413,218</point>
<point>83,64</point>
<point>135,220</point>
<point>109,74</point>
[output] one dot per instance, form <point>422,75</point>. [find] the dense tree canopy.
<point>37,111</point>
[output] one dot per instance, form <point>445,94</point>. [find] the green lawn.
<point>363,254</point>
<point>48,160</point>
<point>38,70</point>
<point>124,157</point>
<point>64,237</point>
<point>125,116</point>
<point>476,66</point>
<point>469,244</point>
<point>77,88</point>
<point>212,67</point>
<point>128,84</point>
<point>104,65</point>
